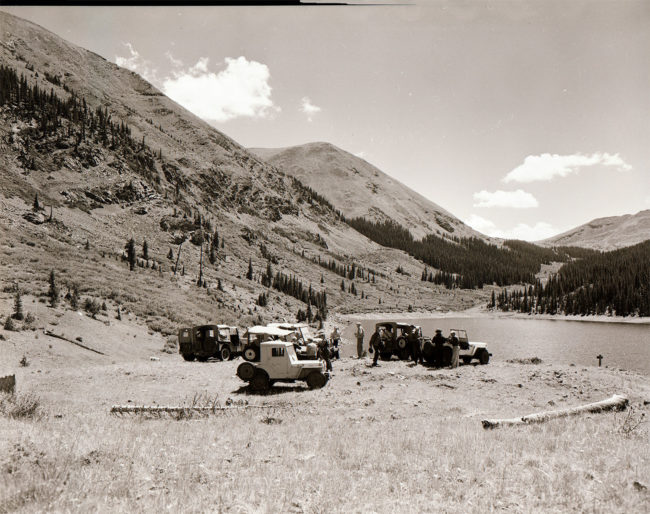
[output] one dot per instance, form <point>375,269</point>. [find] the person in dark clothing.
<point>376,345</point>
<point>438,341</point>
<point>413,338</point>
<point>324,353</point>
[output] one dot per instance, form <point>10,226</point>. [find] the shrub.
<point>170,345</point>
<point>20,406</point>
<point>92,307</point>
<point>24,362</point>
<point>9,324</point>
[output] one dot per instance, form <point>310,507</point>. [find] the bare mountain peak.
<point>359,189</point>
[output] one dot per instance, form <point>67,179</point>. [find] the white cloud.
<point>308,108</point>
<point>548,166</point>
<point>136,63</point>
<point>515,199</point>
<point>240,90</point>
<point>523,231</point>
<point>360,155</point>
<point>647,200</point>
<point>176,62</point>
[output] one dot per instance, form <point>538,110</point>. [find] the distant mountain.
<point>359,189</point>
<point>606,233</point>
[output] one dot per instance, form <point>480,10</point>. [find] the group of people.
<point>413,337</point>
<point>438,341</point>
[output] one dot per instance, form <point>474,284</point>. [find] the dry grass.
<point>21,406</point>
<point>397,442</point>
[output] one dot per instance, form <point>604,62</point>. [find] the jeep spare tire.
<point>251,353</point>
<point>225,353</point>
<point>246,371</point>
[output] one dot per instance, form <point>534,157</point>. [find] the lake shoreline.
<point>481,312</point>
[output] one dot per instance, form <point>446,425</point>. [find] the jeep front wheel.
<point>188,356</point>
<point>316,380</point>
<point>246,371</point>
<point>484,357</point>
<point>225,353</point>
<point>260,381</point>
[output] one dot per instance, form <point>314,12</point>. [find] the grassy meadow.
<point>396,438</point>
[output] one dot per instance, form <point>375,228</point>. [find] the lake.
<point>623,345</point>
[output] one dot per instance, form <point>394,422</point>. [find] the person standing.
<point>413,339</point>
<point>324,353</point>
<point>438,341</point>
<point>359,333</point>
<point>335,338</point>
<point>455,345</point>
<point>376,344</point>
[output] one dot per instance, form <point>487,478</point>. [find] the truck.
<point>278,362</point>
<point>470,350</point>
<point>395,339</point>
<point>258,334</point>
<point>209,341</point>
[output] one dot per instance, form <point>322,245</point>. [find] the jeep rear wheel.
<point>467,359</point>
<point>385,356</point>
<point>188,356</point>
<point>316,380</point>
<point>403,354</point>
<point>251,353</point>
<point>484,358</point>
<point>202,358</point>
<point>260,381</point>
<point>225,353</point>
<point>246,371</point>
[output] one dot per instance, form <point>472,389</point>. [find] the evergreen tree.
<point>145,250</point>
<point>18,306</point>
<point>249,273</point>
<point>36,206</point>
<point>130,253</point>
<point>74,297</point>
<point>53,292</point>
<point>170,254</point>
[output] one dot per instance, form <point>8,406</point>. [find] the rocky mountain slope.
<point>92,156</point>
<point>606,233</point>
<point>359,189</point>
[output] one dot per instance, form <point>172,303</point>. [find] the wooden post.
<point>178,256</point>
<point>600,359</point>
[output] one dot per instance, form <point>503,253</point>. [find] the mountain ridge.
<point>606,233</point>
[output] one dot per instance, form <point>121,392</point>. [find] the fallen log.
<point>616,402</point>
<point>52,334</point>
<point>161,409</point>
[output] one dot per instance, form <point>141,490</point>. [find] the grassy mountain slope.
<point>172,178</point>
<point>359,189</point>
<point>606,233</point>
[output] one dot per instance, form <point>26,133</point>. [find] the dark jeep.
<point>205,341</point>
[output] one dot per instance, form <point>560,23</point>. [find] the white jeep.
<point>278,362</point>
<point>470,350</point>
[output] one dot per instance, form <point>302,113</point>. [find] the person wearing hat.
<point>455,344</point>
<point>438,341</point>
<point>359,333</point>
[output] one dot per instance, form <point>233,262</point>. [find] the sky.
<point>523,119</point>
